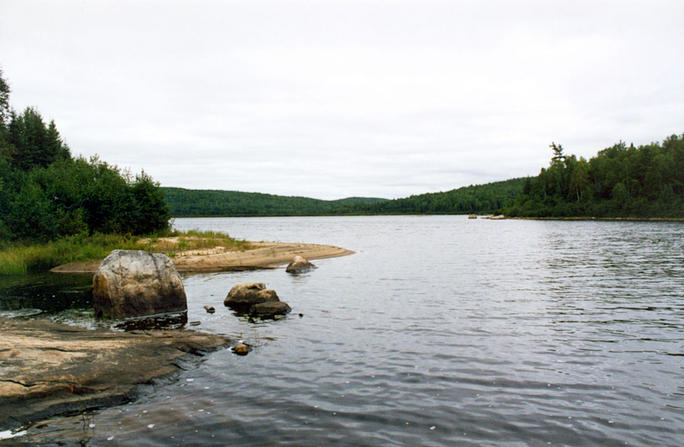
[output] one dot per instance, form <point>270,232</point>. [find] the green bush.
<point>45,194</point>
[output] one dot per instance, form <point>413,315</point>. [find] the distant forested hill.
<point>471,199</point>
<point>194,202</point>
<point>620,181</point>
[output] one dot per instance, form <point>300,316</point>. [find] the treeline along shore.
<point>620,182</point>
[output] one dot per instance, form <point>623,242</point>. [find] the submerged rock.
<point>133,283</point>
<point>244,295</point>
<point>299,265</point>
<point>270,309</point>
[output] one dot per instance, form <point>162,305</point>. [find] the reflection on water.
<point>62,297</point>
<point>439,331</point>
<point>68,299</point>
<point>171,320</point>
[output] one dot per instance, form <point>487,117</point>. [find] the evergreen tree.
<point>46,194</point>
<point>28,135</point>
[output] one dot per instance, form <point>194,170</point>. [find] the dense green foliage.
<point>192,202</point>
<point>46,194</point>
<point>471,199</point>
<point>621,181</point>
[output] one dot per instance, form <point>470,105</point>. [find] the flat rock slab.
<point>48,369</point>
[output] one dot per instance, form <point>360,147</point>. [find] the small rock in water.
<point>299,265</point>
<point>244,295</point>
<point>195,323</point>
<point>210,309</point>
<point>241,349</point>
<point>301,315</point>
<point>272,310</point>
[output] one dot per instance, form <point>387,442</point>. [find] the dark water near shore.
<point>439,331</point>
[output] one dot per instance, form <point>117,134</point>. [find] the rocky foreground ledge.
<point>48,369</point>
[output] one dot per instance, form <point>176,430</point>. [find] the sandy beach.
<point>260,255</point>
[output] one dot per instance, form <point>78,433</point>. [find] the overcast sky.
<point>330,99</point>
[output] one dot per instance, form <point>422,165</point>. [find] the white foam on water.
<point>9,434</point>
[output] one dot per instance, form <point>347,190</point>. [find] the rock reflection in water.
<point>175,320</point>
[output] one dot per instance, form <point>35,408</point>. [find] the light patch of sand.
<point>260,255</point>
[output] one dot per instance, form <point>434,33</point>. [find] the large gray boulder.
<point>244,295</point>
<point>133,283</point>
<point>299,265</point>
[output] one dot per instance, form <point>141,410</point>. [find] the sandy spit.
<point>262,255</point>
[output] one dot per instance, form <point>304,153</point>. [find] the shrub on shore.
<point>46,194</point>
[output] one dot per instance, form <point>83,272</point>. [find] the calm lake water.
<point>439,331</point>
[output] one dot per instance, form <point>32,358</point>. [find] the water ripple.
<point>440,331</point>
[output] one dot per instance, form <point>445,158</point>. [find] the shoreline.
<point>604,219</point>
<point>262,255</point>
<point>480,216</point>
<point>52,369</point>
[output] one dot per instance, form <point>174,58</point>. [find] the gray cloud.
<point>337,98</point>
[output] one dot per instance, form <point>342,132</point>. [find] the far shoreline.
<point>479,216</point>
<point>603,219</point>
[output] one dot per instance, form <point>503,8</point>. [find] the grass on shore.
<point>21,258</point>
<point>176,242</point>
